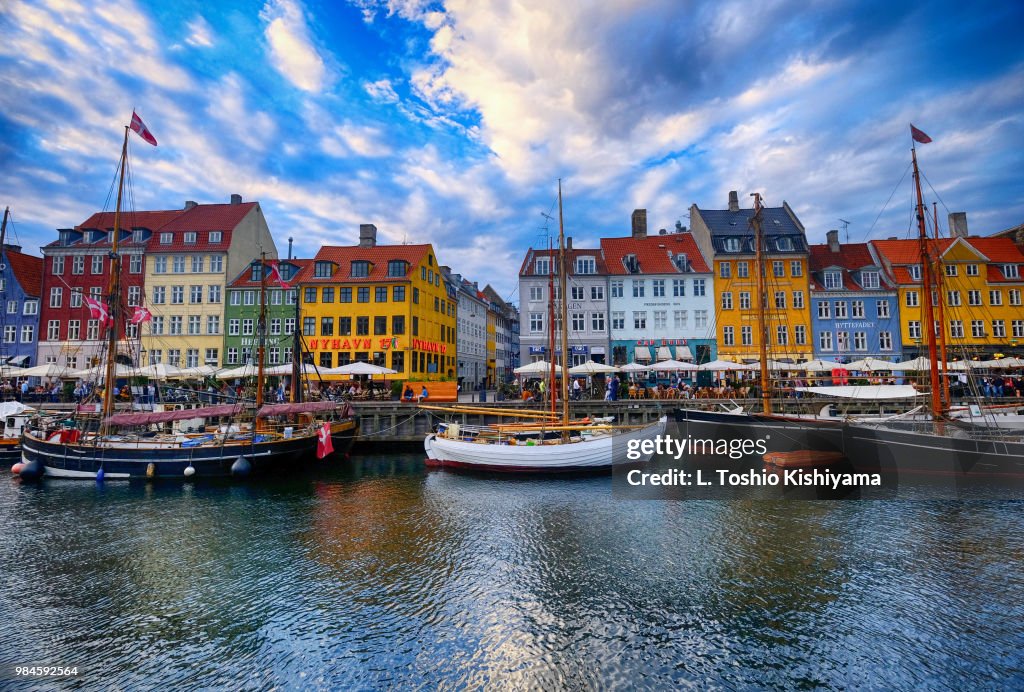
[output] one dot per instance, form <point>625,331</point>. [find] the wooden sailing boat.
<point>549,443</point>
<point>235,439</point>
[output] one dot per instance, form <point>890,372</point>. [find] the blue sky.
<point>451,122</point>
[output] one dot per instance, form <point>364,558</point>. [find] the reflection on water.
<point>376,573</point>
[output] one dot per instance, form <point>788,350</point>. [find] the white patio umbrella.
<point>359,368</point>
<point>819,365</point>
<point>919,364</point>
<point>718,365</point>
<point>197,371</point>
<point>537,368</point>
<point>101,370</point>
<point>870,364</point>
<point>247,370</point>
<point>160,371</point>
<point>592,368</point>
<point>47,370</point>
<point>953,366</point>
<point>673,366</point>
<point>635,367</point>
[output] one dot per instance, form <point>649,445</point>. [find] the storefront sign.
<point>661,342</point>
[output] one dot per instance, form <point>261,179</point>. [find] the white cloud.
<point>381,91</point>
<point>200,33</point>
<point>292,50</point>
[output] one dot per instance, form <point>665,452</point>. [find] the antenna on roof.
<point>846,229</point>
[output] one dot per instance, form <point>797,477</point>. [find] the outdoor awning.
<point>17,361</point>
<point>641,353</point>
<point>664,353</point>
<point>304,407</point>
<point>683,353</point>
<point>168,416</point>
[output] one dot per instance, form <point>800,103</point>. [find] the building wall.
<point>19,318</point>
<point>589,342</point>
<point>871,325</point>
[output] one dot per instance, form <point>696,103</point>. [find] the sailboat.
<point>548,443</point>
<point>228,439</point>
<point>938,443</point>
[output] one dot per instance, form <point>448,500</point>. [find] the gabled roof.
<point>378,256</point>
<point>244,279</point>
<point>992,251</point>
<point>654,254</point>
<point>1000,250</point>
<point>28,270</point>
<point>851,257</point>
<point>908,251</point>
<point>530,265</point>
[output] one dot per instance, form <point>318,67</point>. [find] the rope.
<point>393,427</point>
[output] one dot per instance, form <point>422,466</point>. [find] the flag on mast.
<point>919,136</point>
<point>141,129</point>
<point>141,315</point>
<point>324,446</point>
<point>98,311</point>
<point>275,275</point>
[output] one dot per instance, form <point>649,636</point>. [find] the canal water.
<point>375,573</point>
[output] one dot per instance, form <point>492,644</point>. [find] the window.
<point>860,341</point>
<point>833,280</point>
<point>56,296</point>
<point>134,296</point>
<point>190,238</point>
<point>679,319</point>
<point>661,319</point>
<point>363,326</point>
<point>780,300</point>
<point>825,341</point>
<point>542,266</point>
<point>197,265</point>
<point>727,300</point>
<point>213,294</point>
<point>191,357</point>
<point>232,356</point>
<point>536,293</point>
<point>857,309</point>
<point>952,298</point>
<point>397,324</point>
<point>397,294</point>
<point>176,325</point>
<point>416,296</point>
<point>798,300</point>
<point>678,288</point>
<point>840,309</point>
<point>800,333</point>
<point>999,328</point>
<point>166,238</point>
<point>698,287</point>
<point>28,333</point>
<point>640,319</point>
<point>216,263</point>
<point>744,300</point>
<point>956,329</point>
<point>743,270</point>
<point>974,297</point>
<point>796,268</point>
<point>915,272</point>
<point>731,244</point>
<point>724,270</point>
<point>12,307</point>
<point>1015,296</point>
<point>950,269</point>
<point>618,320</point>
<point>97,264</point>
<point>638,288</point>
<point>977,328</point>
<point>779,268</point>
<point>397,268</point>
<point>195,294</point>
<point>597,321</point>
<point>843,341</point>
<point>58,265</point>
<point>363,294</point>
<point>160,265</point>
<point>78,264</point>
<point>213,324</point>
<point>178,264</point>
<point>700,319</point>
<point>746,336</point>
<point>234,326</point>
<point>380,326</point>
<point>194,325</point>
<point>869,279</point>
<point>912,299</point>
<point>728,336</point>
<point>972,270</point>
<point>1018,328</point>
<point>914,329</point>
<point>135,264</point>
<point>782,335</point>
<point>156,325</point>
<point>616,289</point>
<point>597,292</point>
<point>882,307</point>
<point>586,265</point>
<point>159,295</point>
<point>309,326</point>
<point>579,322</point>
<point>10,334</point>
<point>536,322</point>
<point>74,329</point>
<point>995,297</point>
<point>885,341</point>
<point>380,294</point>
<point>92,330</point>
<point>32,307</point>
<point>327,294</point>
<point>326,326</point>
<point>216,236</point>
<point>658,288</point>
<point>178,295</point>
<point>53,330</point>
<point>578,292</point>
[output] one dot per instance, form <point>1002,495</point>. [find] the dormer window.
<point>257,272</point>
<point>586,265</point>
<point>543,265</point>
<point>869,279</point>
<point>138,236</point>
<point>731,244</point>
<point>360,269</point>
<point>190,237</point>
<point>1011,271</point>
<point>681,262</point>
<point>631,264</point>
<point>833,280</point>
<point>398,268</point>
<point>97,236</point>
<point>216,236</point>
<point>784,243</point>
<point>166,238</point>
<point>323,270</point>
<point>915,272</point>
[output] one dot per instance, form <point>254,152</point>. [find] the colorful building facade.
<point>20,291</point>
<point>242,311</point>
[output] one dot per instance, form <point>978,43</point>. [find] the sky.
<point>452,122</point>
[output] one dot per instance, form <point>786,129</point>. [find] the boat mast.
<point>927,284</point>
<point>940,280</point>
<point>3,231</point>
<point>551,328</point>
<point>261,329</point>
<point>755,220</point>
<point>296,347</point>
<point>114,296</point>
<point>563,310</point>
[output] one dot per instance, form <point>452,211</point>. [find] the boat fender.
<point>151,470</point>
<point>241,467</point>
<point>16,469</point>
<point>190,470</point>
<point>100,475</point>
<point>31,470</point>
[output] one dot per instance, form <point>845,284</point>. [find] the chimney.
<point>12,248</point>
<point>190,204</point>
<point>958,224</point>
<point>367,235</point>
<point>568,243</point>
<point>639,219</point>
<point>833,240</point>
<point>236,198</point>
<point>734,201</point>
<point>289,248</point>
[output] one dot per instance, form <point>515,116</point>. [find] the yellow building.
<point>981,289</point>
<point>188,262</point>
<point>383,304</point>
<point>727,238</point>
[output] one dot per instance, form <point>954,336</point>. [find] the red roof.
<point>244,280</point>
<point>28,270</point>
<point>850,258</point>
<point>998,250</point>
<point>529,266</point>
<point>653,253</point>
<point>907,251</point>
<point>378,256</point>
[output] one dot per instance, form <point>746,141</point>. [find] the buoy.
<point>31,470</point>
<point>241,467</point>
<point>16,469</point>
<point>151,470</point>
<point>100,475</point>
<point>190,471</point>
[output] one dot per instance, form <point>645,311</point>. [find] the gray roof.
<point>724,222</point>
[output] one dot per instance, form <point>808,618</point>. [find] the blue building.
<point>21,278</point>
<point>854,303</point>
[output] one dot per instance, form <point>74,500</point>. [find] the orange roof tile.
<point>28,270</point>
<point>654,253</point>
<point>378,257</point>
